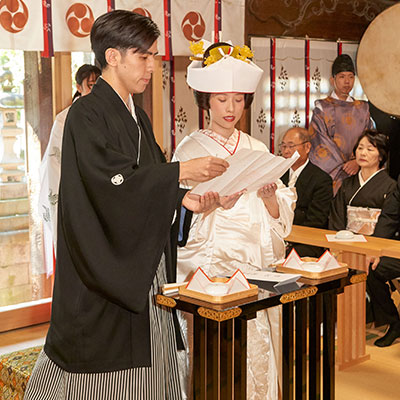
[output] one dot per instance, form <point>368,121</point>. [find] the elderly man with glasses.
<point>313,186</point>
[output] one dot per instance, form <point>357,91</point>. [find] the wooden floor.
<point>22,338</point>
<point>376,379</point>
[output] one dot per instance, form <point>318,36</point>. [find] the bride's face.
<point>226,110</point>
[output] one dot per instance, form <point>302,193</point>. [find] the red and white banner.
<point>21,24</point>
<point>186,112</point>
<point>291,64</point>
<point>261,106</point>
<point>322,55</point>
<point>153,9</point>
<point>67,26</point>
<point>191,20</point>
<point>72,21</point>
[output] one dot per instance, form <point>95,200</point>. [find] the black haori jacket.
<point>114,223</point>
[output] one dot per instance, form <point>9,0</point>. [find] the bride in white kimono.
<point>245,231</point>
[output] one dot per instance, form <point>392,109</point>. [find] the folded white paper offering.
<point>324,263</point>
<point>200,282</point>
<point>275,277</point>
<point>354,238</point>
<point>248,169</point>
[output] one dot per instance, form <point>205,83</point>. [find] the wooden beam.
<point>25,314</point>
<point>38,96</point>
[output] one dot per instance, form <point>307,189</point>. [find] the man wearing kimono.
<point>336,124</point>
<point>118,200</point>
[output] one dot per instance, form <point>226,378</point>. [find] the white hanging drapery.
<point>64,25</point>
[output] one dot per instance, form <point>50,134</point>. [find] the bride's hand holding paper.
<point>210,201</point>
<point>228,202</point>
<point>267,191</point>
<point>267,194</point>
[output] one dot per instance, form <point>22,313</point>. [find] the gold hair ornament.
<point>241,53</point>
<point>196,48</point>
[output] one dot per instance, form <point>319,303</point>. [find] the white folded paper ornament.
<point>200,282</point>
<point>326,262</point>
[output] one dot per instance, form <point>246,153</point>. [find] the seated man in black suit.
<point>313,186</point>
<point>385,269</point>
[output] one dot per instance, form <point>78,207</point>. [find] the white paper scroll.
<point>268,276</point>
<point>248,169</point>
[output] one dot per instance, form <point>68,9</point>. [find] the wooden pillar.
<point>38,96</point>
<point>62,81</point>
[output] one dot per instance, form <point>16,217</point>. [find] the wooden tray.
<point>313,275</point>
<point>227,298</point>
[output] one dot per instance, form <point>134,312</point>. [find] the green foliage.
<point>13,60</point>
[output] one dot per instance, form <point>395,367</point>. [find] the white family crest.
<point>117,179</point>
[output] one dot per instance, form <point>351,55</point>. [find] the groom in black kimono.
<point>118,201</point>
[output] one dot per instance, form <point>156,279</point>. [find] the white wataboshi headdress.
<point>227,69</point>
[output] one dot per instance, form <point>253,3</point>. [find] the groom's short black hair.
<point>122,30</point>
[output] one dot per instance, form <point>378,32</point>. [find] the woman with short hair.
<point>358,203</point>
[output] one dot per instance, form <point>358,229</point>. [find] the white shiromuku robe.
<point>50,172</point>
<point>244,237</point>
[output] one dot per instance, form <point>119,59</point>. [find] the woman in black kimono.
<point>357,204</point>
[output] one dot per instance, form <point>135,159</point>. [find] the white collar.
<point>298,170</point>
<point>361,180</point>
<point>335,96</point>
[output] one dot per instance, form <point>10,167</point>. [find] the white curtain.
<point>233,27</point>
<point>72,23</point>
<point>290,86</point>
<point>153,9</point>
<point>289,107</point>
<point>186,112</point>
<point>261,107</point>
<point>191,20</point>
<point>322,55</point>
<point>21,25</point>
<point>22,28</point>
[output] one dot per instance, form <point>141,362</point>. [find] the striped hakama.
<point>158,382</point>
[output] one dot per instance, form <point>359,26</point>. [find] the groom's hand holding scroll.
<point>202,169</point>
